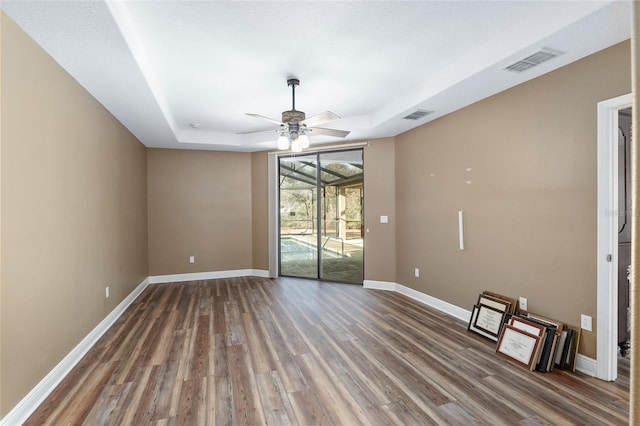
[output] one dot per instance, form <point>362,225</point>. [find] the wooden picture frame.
<point>511,301</point>
<point>540,330</point>
<point>519,346</point>
<point>494,302</point>
<point>528,326</point>
<point>489,320</point>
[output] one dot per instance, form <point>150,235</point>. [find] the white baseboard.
<point>441,305</point>
<point>196,276</point>
<point>379,285</point>
<point>21,412</point>
<point>586,365</point>
<point>262,273</point>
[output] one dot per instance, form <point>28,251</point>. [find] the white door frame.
<point>274,209</point>
<point>607,252</point>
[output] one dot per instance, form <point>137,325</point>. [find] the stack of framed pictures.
<point>539,343</point>
<point>530,340</point>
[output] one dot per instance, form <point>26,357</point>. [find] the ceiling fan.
<point>295,128</point>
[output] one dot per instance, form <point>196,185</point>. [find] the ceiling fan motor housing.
<point>292,117</point>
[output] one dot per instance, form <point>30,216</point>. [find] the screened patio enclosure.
<point>321,216</point>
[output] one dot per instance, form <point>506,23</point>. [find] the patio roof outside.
<point>300,172</point>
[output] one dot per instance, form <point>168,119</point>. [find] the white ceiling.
<point>162,66</point>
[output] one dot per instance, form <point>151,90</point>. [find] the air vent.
<point>417,114</point>
<point>531,61</point>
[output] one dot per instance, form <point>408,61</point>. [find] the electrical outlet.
<point>417,272</point>
<point>192,259</point>
<point>523,303</point>
<point>586,322</point>
<point>106,292</point>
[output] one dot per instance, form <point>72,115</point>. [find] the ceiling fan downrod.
<point>293,117</point>
<point>293,82</point>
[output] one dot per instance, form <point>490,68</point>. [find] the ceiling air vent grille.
<point>531,61</point>
<point>417,114</point>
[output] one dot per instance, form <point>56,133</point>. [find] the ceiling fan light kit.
<point>283,141</point>
<point>296,146</point>
<point>304,140</point>
<point>294,125</point>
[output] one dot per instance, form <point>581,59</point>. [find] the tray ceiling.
<point>182,74</point>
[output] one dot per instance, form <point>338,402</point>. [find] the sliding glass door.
<point>321,216</point>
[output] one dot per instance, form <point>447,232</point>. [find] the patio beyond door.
<point>321,216</point>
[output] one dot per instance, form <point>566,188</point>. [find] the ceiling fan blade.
<point>328,132</point>
<point>257,131</point>
<point>266,118</point>
<point>323,117</point>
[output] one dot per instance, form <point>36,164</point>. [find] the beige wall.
<point>379,200</point>
<point>73,217</point>
<point>260,210</point>
<point>530,206</point>
<point>199,204</point>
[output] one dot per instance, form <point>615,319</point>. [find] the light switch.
<point>384,219</point>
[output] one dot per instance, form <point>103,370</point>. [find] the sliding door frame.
<point>274,199</point>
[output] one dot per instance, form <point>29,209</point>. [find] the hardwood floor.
<point>289,351</point>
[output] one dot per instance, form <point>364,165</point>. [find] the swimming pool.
<point>293,249</point>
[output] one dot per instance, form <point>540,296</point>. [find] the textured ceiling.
<point>162,66</point>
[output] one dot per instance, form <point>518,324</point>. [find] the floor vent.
<point>417,114</point>
<point>531,61</point>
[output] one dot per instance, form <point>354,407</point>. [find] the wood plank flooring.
<point>290,351</point>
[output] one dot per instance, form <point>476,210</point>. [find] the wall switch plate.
<point>523,303</point>
<point>384,219</point>
<point>106,292</point>
<point>417,272</point>
<point>192,259</point>
<point>586,322</point>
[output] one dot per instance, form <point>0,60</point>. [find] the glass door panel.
<point>341,214</point>
<point>298,220</point>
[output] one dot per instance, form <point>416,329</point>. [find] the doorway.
<point>321,210</point>
<point>609,225</point>
<point>624,231</point>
